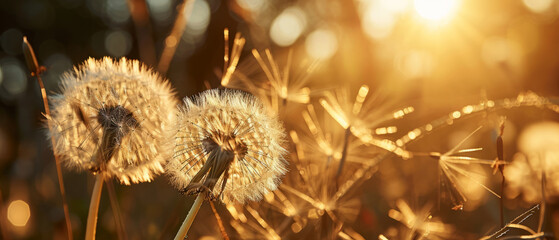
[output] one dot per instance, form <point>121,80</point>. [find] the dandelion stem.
<point>121,230</point>
<point>344,152</point>
<point>94,207</point>
<point>501,157</point>
<point>219,222</point>
<point>3,229</point>
<point>502,199</point>
<point>543,204</point>
<point>181,234</point>
<point>36,70</point>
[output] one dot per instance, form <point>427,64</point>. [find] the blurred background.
<point>434,55</point>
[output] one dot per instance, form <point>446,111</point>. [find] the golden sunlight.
<point>435,9</point>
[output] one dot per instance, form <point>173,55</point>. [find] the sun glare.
<point>435,9</point>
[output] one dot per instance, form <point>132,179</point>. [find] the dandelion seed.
<point>457,174</point>
<point>112,117</point>
<point>363,119</point>
<point>278,86</point>
<point>329,142</point>
<point>250,223</point>
<point>420,223</point>
<point>230,62</point>
<point>359,114</point>
<point>226,143</point>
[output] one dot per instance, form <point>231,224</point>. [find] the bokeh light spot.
<point>15,80</point>
<point>321,44</point>
<point>252,5</point>
<point>414,64</point>
<point>394,6</point>
<point>161,11</point>
<point>199,18</point>
<point>540,138</point>
<point>288,26</point>
<point>11,41</point>
<point>538,6</point>
<point>378,23</point>
<point>18,213</point>
<point>435,9</point>
<point>118,43</point>
<point>117,11</point>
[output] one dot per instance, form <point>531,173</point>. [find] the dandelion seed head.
<point>236,125</point>
<point>113,115</point>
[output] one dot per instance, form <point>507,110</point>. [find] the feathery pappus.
<point>112,117</point>
<point>226,142</point>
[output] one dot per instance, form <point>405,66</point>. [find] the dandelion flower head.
<point>226,142</point>
<point>112,117</point>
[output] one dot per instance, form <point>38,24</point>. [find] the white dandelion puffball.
<point>226,142</point>
<point>113,117</point>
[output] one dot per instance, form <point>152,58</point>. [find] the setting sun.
<point>435,9</point>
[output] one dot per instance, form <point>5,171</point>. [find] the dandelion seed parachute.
<point>113,115</point>
<point>235,124</point>
<point>420,222</point>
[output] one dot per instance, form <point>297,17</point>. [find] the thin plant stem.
<point>502,199</point>
<point>121,229</point>
<point>226,53</point>
<point>140,16</point>
<point>173,40</point>
<point>344,152</point>
<point>543,204</point>
<point>219,222</point>
<point>230,60</point>
<point>36,70</point>
<point>181,234</point>
<point>3,228</point>
<point>501,167</point>
<point>94,207</point>
<point>171,221</point>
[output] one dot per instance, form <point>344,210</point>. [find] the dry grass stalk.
<point>172,41</point>
<point>3,225</point>
<point>36,71</point>
<point>140,15</point>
